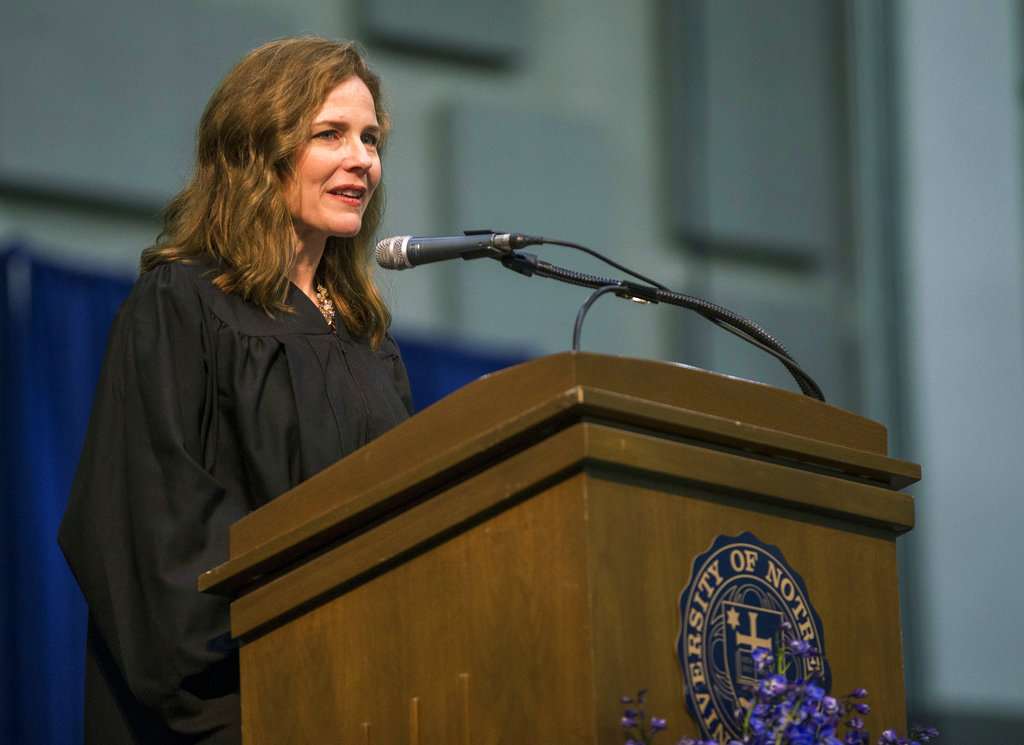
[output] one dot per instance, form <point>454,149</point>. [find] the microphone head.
<point>390,252</point>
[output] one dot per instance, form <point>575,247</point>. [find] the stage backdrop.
<point>54,322</point>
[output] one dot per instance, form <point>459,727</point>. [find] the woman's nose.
<point>358,157</point>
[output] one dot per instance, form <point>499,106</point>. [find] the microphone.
<point>405,252</point>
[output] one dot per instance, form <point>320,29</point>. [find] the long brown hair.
<point>234,208</point>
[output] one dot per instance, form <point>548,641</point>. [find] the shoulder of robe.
<point>196,276</point>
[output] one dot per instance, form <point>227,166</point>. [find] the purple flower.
<point>799,647</point>
<point>779,712</point>
<point>799,736</point>
<point>773,685</point>
<point>814,692</point>
<point>797,717</point>
<point>830,705</point>
<point>924,734</point>
<point>763,658</point>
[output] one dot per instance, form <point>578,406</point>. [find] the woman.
<point>251,354</point>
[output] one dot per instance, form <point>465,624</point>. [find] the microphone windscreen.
<point>389,253</point>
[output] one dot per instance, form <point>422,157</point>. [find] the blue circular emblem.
<point>739,594</point>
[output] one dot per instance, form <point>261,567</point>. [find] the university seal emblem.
<point>739,594</point>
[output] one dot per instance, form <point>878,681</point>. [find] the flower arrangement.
<point>635,721</point>
<point>784,712</point>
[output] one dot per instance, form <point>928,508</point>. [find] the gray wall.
<point>848,175</point>
<point>960,145</point>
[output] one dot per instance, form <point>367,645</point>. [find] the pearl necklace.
<point>325,305</point>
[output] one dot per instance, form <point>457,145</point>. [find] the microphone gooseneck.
<point>404,252</point>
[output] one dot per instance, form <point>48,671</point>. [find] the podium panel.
<point>521,571</point>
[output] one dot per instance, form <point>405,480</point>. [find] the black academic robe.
<point>206,409</point>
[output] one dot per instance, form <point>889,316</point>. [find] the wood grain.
<point>508,564</point>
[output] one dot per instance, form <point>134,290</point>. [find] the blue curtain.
<point>437,367</point>
<point>54,322</point>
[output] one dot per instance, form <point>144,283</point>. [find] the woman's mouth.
<point>349,194</point>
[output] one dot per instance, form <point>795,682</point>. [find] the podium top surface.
<point>494,415</point>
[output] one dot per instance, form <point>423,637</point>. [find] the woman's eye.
<point>370,139</point>
<point>327,134</point>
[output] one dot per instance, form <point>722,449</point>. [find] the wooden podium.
<point>507,564</point>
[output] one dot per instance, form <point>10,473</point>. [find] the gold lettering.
<point>693,644</point>
<point>704,584</point>
<point>799,609</point>
<point>806,629</point>
<point>751,557</point>
<point>713,569</point>
<point>710,718</point>
<point>697,673</point>
<point>696,619</point>
<point>736,560</point>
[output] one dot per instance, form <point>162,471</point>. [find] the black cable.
<point>577,330</point>
<point>529,265</point>
<point>606,260</point>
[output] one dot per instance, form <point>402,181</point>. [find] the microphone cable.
<point>528,265</point>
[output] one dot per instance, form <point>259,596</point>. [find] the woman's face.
<point>338,169</point>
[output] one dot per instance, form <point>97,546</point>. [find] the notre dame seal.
<point>739,594</point>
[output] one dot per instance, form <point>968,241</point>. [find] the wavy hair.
<point>233,208</point>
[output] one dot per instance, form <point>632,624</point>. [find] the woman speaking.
<point>251,353</point>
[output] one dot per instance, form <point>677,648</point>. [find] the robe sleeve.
<point>145,518</point>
